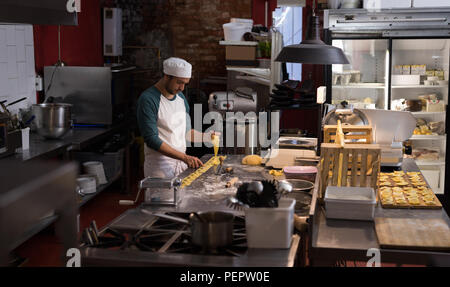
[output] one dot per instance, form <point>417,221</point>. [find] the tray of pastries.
<point>401,189</point>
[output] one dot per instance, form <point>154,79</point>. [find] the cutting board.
<point>413,233</point>
<point>286,157</point>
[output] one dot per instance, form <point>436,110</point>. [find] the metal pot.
<point>212,229</point>
<point>209,230</point>
<point>52,120</point>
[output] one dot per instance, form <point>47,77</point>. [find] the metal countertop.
<point>338,239</point>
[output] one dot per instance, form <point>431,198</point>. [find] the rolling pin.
<point>231,182</point>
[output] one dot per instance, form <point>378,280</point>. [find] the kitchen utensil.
<point>300,185</point>
<point>87,184</point>
<point>96,168</point>
<point>198,217</point>
<point>52,120</point>
<point>236,204</point>
<point>231,182</point>
<point>18,101</point>
<point>283,188</point>
<point>300,172</point>
<point>270,227</point>
<point>351,203</point>
<point>413,233</point>
<point>213,230</point>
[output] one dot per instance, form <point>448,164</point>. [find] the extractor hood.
<point>42,12</point>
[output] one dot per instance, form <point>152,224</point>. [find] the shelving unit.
<point>361,86</point>
<point>419,87</point>
<point>428,137</point>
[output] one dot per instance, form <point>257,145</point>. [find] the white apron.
<point>172,131</point>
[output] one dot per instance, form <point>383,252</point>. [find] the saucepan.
<point>210,229</point>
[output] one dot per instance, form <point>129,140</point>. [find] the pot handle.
<point>162,215</point>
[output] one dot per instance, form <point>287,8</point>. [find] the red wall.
<point>80,45</point>
<point>258,10</point>
<point>302,119</point>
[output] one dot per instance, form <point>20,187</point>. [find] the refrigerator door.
<point>363,82</point>
<point>420,74</point>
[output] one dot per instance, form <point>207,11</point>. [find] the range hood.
<point>42,12</point>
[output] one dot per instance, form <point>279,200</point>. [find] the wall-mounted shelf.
<point>258,72</point>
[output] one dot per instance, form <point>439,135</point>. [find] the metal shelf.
<point>419,86</point>
<point>428,137</point>
<point>440,162</point>
<point>255,79</point>
<point>361,86</point>
<point>427,113</point>
<point>258,72</point>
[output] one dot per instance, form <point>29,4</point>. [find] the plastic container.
<point>300,172</point>
<point>234,31</point>
<point>270,227</point>
<point>352,203</point>
<point>246,22</point>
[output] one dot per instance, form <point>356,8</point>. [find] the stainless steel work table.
<point>75,139</point>
<point>336,240</point>
<point>191,200</point>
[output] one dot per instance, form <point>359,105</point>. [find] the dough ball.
<point>252,160</point>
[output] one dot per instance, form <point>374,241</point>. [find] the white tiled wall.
<point>17,73</point>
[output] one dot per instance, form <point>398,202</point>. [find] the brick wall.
<point>190,29</point>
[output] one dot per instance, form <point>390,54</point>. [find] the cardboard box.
<point>405,80</point>
<point>406,70</point>
<point>241,56</point>
<point>440,74</point>
<point>429,73</point>
<point>398,70</point>
<point>418,69</point>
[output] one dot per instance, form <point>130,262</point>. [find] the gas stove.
<point>154,241</point>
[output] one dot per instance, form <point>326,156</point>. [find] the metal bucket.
<point>52,120</point>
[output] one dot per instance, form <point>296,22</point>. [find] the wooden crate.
<point>350,133</point>
<point>352,165</point>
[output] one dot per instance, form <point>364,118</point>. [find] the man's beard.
<point>171,91</point>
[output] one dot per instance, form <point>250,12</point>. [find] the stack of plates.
<point>95,168</point>
<point>87,184</point>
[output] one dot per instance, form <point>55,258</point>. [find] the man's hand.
<point>192,161</point>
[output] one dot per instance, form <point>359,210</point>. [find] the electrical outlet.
<point>39,83</point>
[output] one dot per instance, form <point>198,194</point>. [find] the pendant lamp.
<point>312,50</point>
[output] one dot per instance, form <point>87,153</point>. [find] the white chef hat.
<point>177,67</point>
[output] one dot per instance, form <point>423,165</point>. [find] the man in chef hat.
<point>164,122</point>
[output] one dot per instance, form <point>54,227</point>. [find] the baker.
<point>164,122</point>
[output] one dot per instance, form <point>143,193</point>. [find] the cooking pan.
<point>209,230</point>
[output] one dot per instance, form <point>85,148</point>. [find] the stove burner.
<point>165,236</point>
